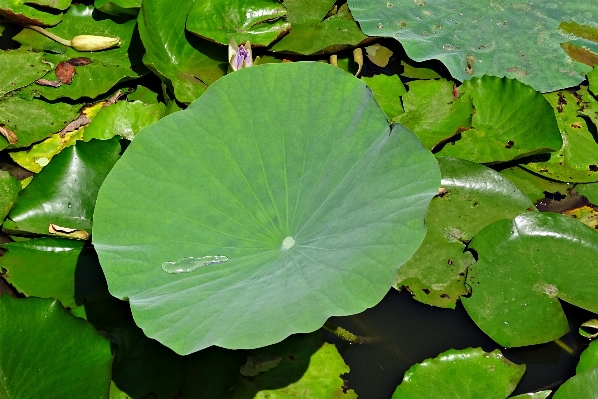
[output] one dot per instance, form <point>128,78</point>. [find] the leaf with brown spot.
<point>80,61</point>
<point>9,135</point>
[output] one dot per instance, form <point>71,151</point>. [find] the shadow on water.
<point>407,332</point>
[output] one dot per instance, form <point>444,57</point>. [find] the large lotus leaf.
<point>588,190</point>
<point>583,385</point>
<point>525,265</point>
<point>588,358</point>
<point>573,162</point>
<point>433,113</point>
<point>64,192</point>
<point>476,196</point>
<point>312,32</point>
<point>9,190</point>
<point>514,39</point>
<point>301,366</point>
<point>47,352</point>
<point>107,68</point>
<point>534,186</point>
<point>123,118</point>
<point>66,270</point>
<point>511,121</point>
<point>118,7</point>
<point>34,120</point>
<point>187,63</point>
<point>20,68</point>
<point>280,175</point>
<point>387,92</point>
<point>465,374</point>
<point>258,21</point>
<point>37,12</point>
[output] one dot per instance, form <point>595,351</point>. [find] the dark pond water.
<point>407,332</point>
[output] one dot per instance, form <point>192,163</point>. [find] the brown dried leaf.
<point>9,135</point>
<point>64,72</point>
<point>113,99</point>
<point>82,120</point>
<point>67,232</point>
<point>46,82</point>
<point>79,61</point>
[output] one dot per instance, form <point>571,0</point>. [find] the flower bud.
<point>93,43</point>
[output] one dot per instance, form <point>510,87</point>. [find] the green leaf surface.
<point>64,192</point>
<point>572,162</point>
<point>107,68</point>
<point>118,7</point>
<point>9,190</point>
<point>514,39</point>
<point>143,94</point>
<point>476,196</point>
<point>533,395</point>
<point>588,358</point>
<point>314,33</point>
<point>242,175</point>
<point>258,21</point>
<point>511,121</point>
<point>525,266</point>
<point>309,368</point>
<point>588,190</point>
<point>433,113</point>
<point>58,268</point>
<point>387,92</point>
<point>20,68</point>
<point>465,374</point>
<point>188,64</point>
<point>47,352</point>
<point>37,12</point>
<point>593,81</point>
<point>419,70</point>
<point>124,118</point>
<point>583,385</point>
<point>534,186</point>
<point>35,120</point>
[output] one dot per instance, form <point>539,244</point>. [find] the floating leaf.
<point>524,267</point>
<point>387,92</point>
<point>590,325</point>
<point>475,196</point>
<point>593,81</point>
<point>420,70</point>
<point>9,190</point>
<point>588,358</point>
<point>588,190</point>
<point>466,374</point>
<point>258,21</point>
<point>534,186</point>
<point>118,7</point>
<point>20,68</point>
<point>48,352</point>
<point>379,55</point>
<point>533,395</point>
<point>284,206</point>
<point>497,38</point>
<point>37,12</point>
<point>583,385</point>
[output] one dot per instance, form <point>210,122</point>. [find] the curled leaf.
<point>68,232</point>
<point>82,120</point>
<point>9,135</point>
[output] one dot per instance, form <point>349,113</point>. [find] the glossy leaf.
<point>240,175</point>
<point>534,186</point>
<point>511,121</point>
<point>466,374</point>
<point>525,266</point>
<point>419,70</point>
<point>572,162</point>
<point>433,113</point>
<point>34,120</point>
<point>20,68</point>
<point>498,38</point>
<point>533,395</point>
<point>588,358</point>
<point>47,351</point>
<point>66,270</point>
<point>64,192</point>
<point>583,385</point>
<point>475,197</point>
<point>186,63</point>
<point>124,119</point>
<point>588,190</point>
<point>258,21</point>
<point>118,7</point>
<point>593,81</point>
<point>387,92</point>
<point>312,32</point>
<point>107,68</point>
<point>37,12</point>
<point>9,190</point>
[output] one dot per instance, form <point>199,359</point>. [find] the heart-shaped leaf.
<point>280,175</point>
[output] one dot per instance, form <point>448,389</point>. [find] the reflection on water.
<point>406,332</point>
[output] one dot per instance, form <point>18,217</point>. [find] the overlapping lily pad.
<point>475,196</point>
<point>534,186</point>
<point>36,12</point>
<point>588,190</point>
<point>304,186</point>
<point>511,121</point>
<point>588,358</point>
<point>20,68</point>
<point>118,7</point>
<point>466,374</point>
<point>514,39</point>
<point>387,92</point>
<point>9,190</point>
<point>583,385</point>
<point>525,266</point>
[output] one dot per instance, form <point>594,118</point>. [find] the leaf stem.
<point>345,334</point>
<point>50,35</point>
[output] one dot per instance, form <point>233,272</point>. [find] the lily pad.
<point>47,351</point>
<point>314,32</point>
<point>525,266</point>
<point>304,186</point>
<point>533,395</point>
<point>188,64</point>
<point>588,190</point>
<point>64,192</point>
<point>511,121</point>
<point>433,113</point>
<point>573,162</point>
<point>534,186</point>
<point>9,190</point>
<point>258,21</point>
<point>496,40</point>
<point>583,385</point>
<point>118,7</point>
<point>588,358</point>
<point>593,81</point>
<point>20,68</point>
<point>387,92</point>
<point>466,374</point>
<point>475,196</point>
<point>37,12</point>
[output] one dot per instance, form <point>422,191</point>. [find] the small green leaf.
<point>588,190</point>
<point>593,80</point>
<point>20,68</point>
<point>465,374</point>
<point>583,385</point>
<point>420,70</point>
<point>588,358</point>
<point>387,92</point>
<point>118,7</point>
